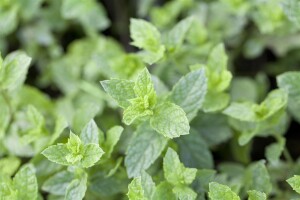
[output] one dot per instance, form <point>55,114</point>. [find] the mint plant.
<point>149,100</point>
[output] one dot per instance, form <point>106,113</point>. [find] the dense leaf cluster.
<point>175,117</point>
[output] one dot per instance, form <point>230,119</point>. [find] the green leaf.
<point>184,193</point>
<point>119,90</point>
<point>135,190</point>
<point>175,172</point>
<point>189,92</point>
<point>60,124</point>
<point>256,195</point>
<point>215,101</point>
<point>77,188</point>
<point>141,187</point>
<point>221,192</point>
<point>194,152</point>
<point>25,183</point>
<point>274,151</point>
<point>170,120</point>
<point>218,76</point>
<point>175,37</point>
<point>144,86</point>
<point>164,191</point>
<point>91,154</point>
<point>90,13</point>
<point>58,183</point>
<point>14,70</point>
<point>257,178</point>
<point>295,183</point>
<point>291,9</point>
<point>57,153</point>
<point>85,113</point>
<point>290,82</point>
<point>9,165</point>
<point>143,150</point>
<point>144,35</point>
<point>112,137</point>
<point>90,133</point>
<point>247,111</point>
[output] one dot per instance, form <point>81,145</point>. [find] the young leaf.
<point>25,183</point>
<point>91,154</point>
<point>144,86</point>
<point>189,92</point>
<point>221,192</point>
<point>135,190</point>
<point>143,150</point>
<point>170,120</point>
<point>119,90</point>
<point>175,172</point>
<point>184,193</point>
<point>256,195</point>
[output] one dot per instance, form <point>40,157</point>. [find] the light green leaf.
<point>135,190</point>
<point>143,150</point>
<point>215,101</point>
<point>90,133</point>
<point>89,12</point>
<point>164,192</point>
<point>14,70</point>
<point>175,37</point>
<point>144,35</point>
<point>112,137</point>
<point>25,183</point>
<point>138,110</point>
<point>257,178</point>
<point>60,124</point>
<point>175,172</point>
<point>184,193</point>
<point>144,86</point>
<point>77,188</point>
<point>274,151</point>
<point>256,195</point>
<point>58,183</point>
<point>291,9</point>
<point>170,120</point>
<point>35,117</point>
<point>290,82</point>
<point>244,111</point>
<point>295,183</point>
<point>141,187</point>
<point>217,59</point>
<point>189,92</point>
<point>91,154</point>
<point>119,90</point>
<point>251,112</point>
<point>85,113</point>
<point>57,153</point>
<point>9,165</point>
<point>221,192</point>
